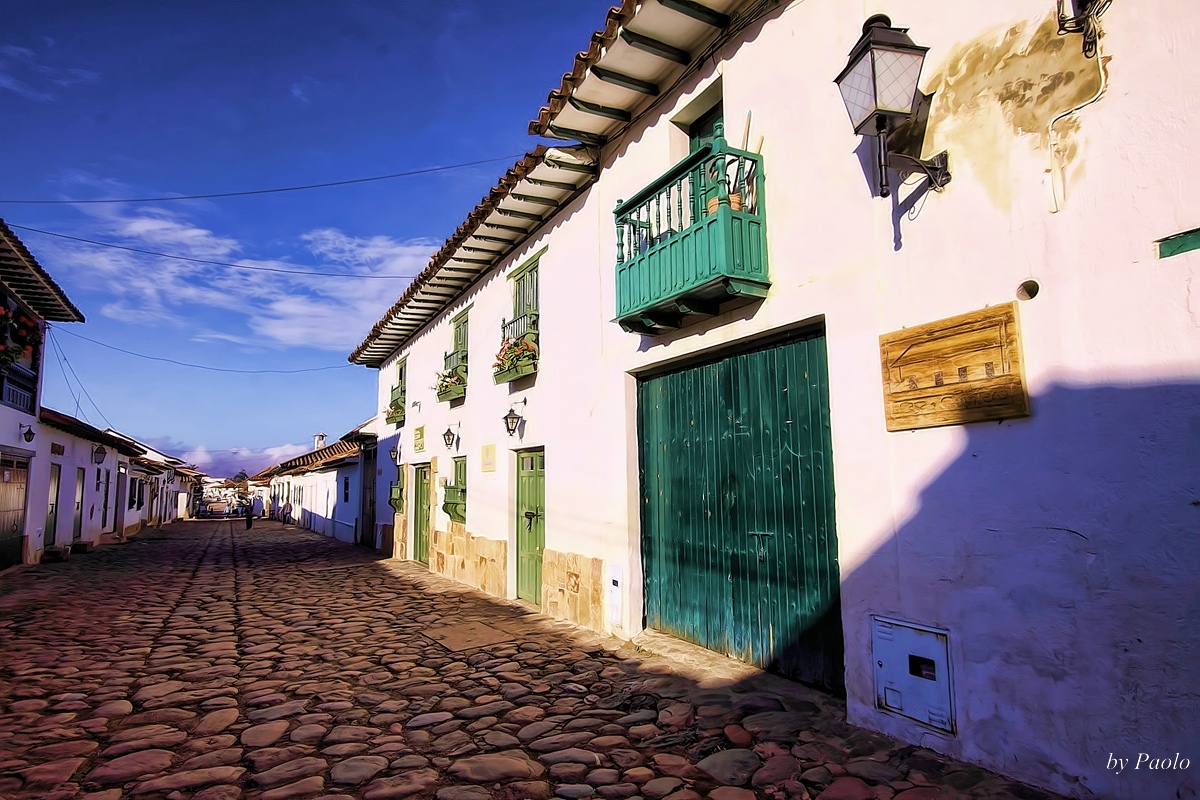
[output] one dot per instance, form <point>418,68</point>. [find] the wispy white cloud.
<point>226,463</point>
<point>262,309</point>
<point>299,93</point>
<point>24,72</point>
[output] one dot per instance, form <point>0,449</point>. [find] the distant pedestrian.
<point>249,516</point>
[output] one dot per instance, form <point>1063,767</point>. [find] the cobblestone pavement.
<point>206,662</point>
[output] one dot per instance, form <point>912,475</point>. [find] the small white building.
<point>88,481</point>
<point>324,490</point>
<point>155,489</point>
<point>793,393</point>
<point>28,298</point>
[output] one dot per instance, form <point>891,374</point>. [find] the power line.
<point>408,174</point>
<point>67,381</point>
<point>213,263</point>
<point>63,355</point>
<point>203,366</point>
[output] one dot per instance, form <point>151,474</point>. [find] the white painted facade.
<point>325,496</point>
<point>1060,551</point>
<point>87,491</point>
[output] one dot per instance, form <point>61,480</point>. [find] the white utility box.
<point>912,672</point>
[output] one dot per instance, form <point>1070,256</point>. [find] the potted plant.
<point>19,333</point>
<point>450,384</point>
<point>516,358</point>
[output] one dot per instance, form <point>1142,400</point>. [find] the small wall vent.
<point>912,672</point>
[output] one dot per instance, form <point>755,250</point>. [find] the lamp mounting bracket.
<point>936,169</point>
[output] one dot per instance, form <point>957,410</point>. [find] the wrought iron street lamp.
<point>99,453</point>
<point>448,437</point>
<point>879,88</point>
<point>511,420</point>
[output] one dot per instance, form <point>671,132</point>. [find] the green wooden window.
<point>704,129</point>
<point>456,493</point>
<point>460,333</point>
<point>452,381</point>
<point>395,409</point>
<point>1179,243</point>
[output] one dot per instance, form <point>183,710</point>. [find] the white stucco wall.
<point>1059,551</point>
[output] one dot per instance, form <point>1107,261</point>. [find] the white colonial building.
<point>329,490</point>
<point>891,390</point>
<point>29,298</point>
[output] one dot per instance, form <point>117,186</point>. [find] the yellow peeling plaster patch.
<point>1013,88</point>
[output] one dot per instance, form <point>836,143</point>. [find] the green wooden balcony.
<point>452,383</point>
<point>395,410</point>
<point>692,240</point>
<point>518,354</point>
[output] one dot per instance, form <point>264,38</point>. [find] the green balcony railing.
<point>397,395</point>
<point>692,239</point>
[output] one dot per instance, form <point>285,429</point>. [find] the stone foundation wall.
<point>573,588</point>
<point>473,560</point>
<point>399,536</point>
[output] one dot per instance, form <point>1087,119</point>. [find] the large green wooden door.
<point>738,536</point>
<point>421,515</point>
<point>531,523</point>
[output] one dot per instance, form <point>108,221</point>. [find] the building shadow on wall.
<point>1060,554</point>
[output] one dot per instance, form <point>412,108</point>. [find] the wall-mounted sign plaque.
<point>487,458</point>
<point>419,439</point>
<point>956,370</point>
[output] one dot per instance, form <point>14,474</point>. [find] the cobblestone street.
<point>204,661</point>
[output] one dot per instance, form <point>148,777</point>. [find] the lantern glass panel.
<point>896,75</point>
<point>858,91</point>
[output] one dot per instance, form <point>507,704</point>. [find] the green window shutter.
<point>703,130</point>
<point>460,334</point>
<point>525,293</point>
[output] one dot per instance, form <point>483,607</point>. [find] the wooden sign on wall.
<point>953,371</point>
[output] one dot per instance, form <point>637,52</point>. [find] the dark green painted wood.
<point>421,513</point>
<point>1179,243</point>
<point>456,493</point>
<point>738,533</point>
<point>531,523</point>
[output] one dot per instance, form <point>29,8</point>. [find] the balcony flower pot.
<point>519,370</point>
<point>450,385</point>
<point>735,202</point>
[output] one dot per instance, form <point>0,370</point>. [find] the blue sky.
<point>103,100</point>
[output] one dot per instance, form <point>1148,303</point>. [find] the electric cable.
<point>408,174</point>
<point>203,366</point>
<point>78,406</point>
<point>214,263</point>
<point>63,355</point>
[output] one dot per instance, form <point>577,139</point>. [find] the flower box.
<point>516,371</point>
<point>452,392</point>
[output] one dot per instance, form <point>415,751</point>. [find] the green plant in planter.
<point>22,335</point>
<point>514,353</point>
<point>448,380</point>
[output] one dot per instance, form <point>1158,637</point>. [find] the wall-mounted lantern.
<point>512,419</point>
<point>879,88</point>
<point>394,453</point>
<point>27,432</point>
<point>99,453</point>
<point>449,436</point>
